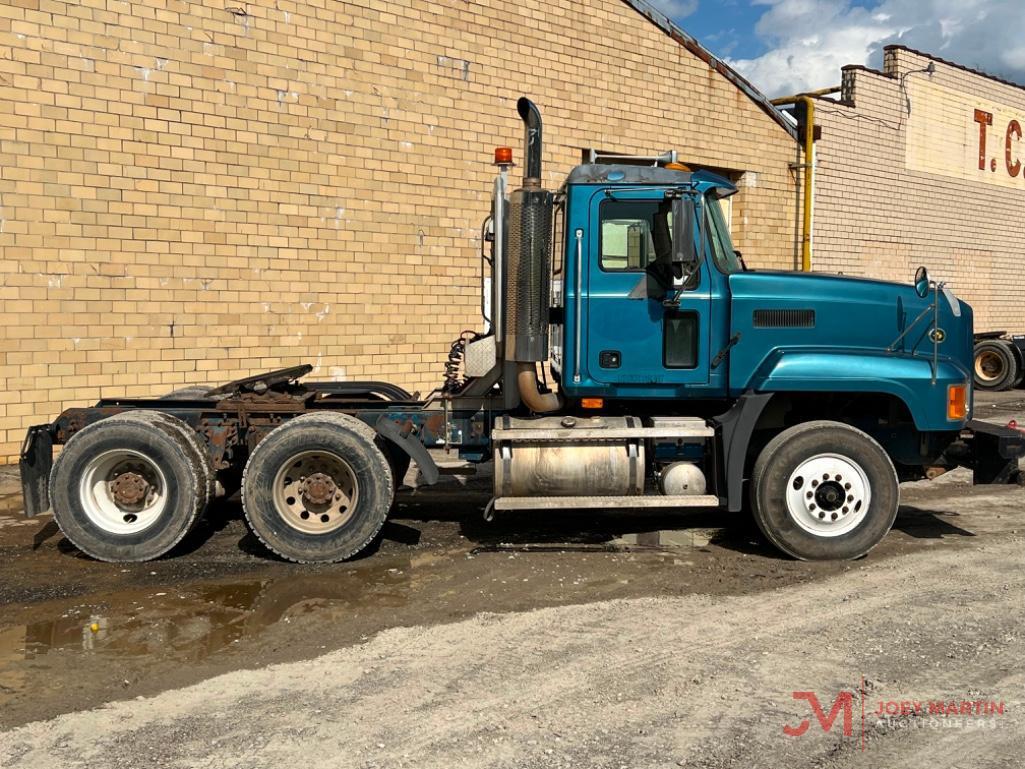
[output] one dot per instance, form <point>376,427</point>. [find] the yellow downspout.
<point>809,180</point>
<point>809,166</point>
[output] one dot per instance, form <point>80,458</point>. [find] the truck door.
<point>640,341</point>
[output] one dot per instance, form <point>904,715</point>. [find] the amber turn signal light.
<point>957,402</point>
<point>592,403</point>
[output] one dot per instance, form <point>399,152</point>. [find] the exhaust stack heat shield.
<point>528,275</point>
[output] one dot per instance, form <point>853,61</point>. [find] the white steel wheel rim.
<point>315,492</point>
<point>123,491</point>
<point>828,495</point>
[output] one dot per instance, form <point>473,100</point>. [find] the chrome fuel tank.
<point>546,459</point>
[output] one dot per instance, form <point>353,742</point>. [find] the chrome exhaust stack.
<point>528,269</point>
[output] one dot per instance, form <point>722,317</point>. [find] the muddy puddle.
<point>188,624</point>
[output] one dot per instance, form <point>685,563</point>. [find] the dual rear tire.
<point>131,487</point>
<point>318,488</point>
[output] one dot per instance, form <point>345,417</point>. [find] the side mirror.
<point>676,255</point>
<point>685,253</point>
<point>922,282</point>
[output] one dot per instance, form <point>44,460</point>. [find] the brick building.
<point>924,163</point>
<point>193,190</point>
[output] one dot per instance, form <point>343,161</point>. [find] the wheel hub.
<point>828,495</point>
<point>318,489</point>
<point>315,492</point>
<point>123,491</point>
<point>129,489</point>
<point>988,366</point>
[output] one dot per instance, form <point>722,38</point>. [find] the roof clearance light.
<point>676,167</point>
<point>503,156</point>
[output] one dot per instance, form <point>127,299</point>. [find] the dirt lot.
<point>616,640</point>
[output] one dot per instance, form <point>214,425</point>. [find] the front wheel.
<point>824,491</point>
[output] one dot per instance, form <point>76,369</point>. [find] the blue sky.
<point>794,45</point>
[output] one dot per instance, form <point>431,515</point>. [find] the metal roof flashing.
<point>598,173</point>
<point>663,22</point>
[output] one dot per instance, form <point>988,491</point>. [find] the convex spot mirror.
<point>922,282</point>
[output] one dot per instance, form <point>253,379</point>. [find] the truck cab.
<point>627,327</point>
<point>644,332</point>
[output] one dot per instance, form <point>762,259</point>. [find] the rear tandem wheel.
<point>317,488</point>
<point>130,487</point>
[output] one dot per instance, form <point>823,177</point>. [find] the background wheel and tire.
<point>130,487</point>
<point>824,490</point>
<point>996,365</point>
<point>317,488</point>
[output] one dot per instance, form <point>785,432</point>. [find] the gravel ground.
<point>693,681</point>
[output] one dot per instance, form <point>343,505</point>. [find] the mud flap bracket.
<point>408,443</point>
<point>35,465</point>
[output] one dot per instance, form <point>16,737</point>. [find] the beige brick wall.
<point>897,188</point>
<point>189,195</point>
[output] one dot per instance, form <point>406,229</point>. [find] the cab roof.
<point>619,173</point>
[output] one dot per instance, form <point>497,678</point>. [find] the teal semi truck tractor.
<point>682,379</point>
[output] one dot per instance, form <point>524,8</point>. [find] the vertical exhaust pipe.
<point>528,264</point>
<point>533,142</point>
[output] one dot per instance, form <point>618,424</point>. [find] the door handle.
<point>580,302</point>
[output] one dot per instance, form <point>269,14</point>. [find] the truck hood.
<point>849,313</point>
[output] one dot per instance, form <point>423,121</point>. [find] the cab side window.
<point>634,233</point>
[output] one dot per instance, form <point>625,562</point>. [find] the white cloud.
<point>676,9</point>
<point>809,40</point>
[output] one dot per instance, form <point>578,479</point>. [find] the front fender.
<point>906,377</point>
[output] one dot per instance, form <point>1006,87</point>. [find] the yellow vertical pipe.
<point>809,165</point>
<point>809,179</point>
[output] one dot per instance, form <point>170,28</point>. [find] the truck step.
<point>590,503</point>
<point>515,434</point>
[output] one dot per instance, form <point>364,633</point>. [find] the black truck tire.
<point>317,489</point>
<point>995,365</point>
<point>824,491</point>
<point>127,489</point>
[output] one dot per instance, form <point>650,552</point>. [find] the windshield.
<point>723,253</point>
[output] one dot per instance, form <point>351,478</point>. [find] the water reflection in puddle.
<point>189,623</point>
